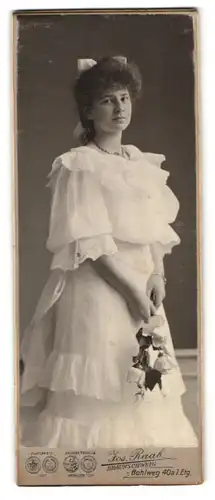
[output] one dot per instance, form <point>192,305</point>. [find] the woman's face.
<point>112,111</point>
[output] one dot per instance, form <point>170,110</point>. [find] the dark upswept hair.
<point>90,85</point>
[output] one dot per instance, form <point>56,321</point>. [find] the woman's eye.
<point>109,100</point>
<point>106,101</point>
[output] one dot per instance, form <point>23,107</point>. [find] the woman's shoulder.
<point>154,158</point>
<point>74,159</point>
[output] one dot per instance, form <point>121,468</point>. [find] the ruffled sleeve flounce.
<point>79,223</point>
<point>166,206</point>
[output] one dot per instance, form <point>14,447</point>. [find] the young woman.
<point>89,380</point>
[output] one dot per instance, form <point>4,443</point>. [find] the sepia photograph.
<point>108,302</point>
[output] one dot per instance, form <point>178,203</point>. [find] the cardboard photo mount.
<point>139,466</point>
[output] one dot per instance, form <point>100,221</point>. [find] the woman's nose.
<point>118,106</point>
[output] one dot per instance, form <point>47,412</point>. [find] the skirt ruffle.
<point>159,424</point>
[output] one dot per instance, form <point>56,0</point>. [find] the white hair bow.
<point>84,64</point>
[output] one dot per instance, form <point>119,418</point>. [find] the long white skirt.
<point>77,353</point>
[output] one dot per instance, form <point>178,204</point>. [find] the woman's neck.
<point>109,142</point>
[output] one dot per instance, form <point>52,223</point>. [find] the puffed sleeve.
<point>79,224</point>
<point>165,204</point>
<point>168,210</point>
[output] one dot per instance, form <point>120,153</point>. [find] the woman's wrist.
<point>158,261</point>
<point>160,274</point>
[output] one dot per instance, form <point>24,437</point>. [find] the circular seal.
<point>71,463</point>
<point>33,465</point>
<point>50,464</point>
<point>88,463</point>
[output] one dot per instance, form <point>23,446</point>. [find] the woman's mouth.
<point>119,118</point>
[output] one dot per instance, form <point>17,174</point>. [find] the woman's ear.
<point>89,114</point>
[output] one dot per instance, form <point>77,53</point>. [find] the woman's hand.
<point>155,289</point>
<point>140,306</point>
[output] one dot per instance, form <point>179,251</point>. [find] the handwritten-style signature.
<point>139,454</point>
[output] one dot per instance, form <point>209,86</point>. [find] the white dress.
<point>77,351</point>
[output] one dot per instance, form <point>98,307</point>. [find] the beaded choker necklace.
<point>123,153</point>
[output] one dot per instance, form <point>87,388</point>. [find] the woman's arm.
<point>115,272</point>
<point>155,287</point>
<point>157,256</point>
